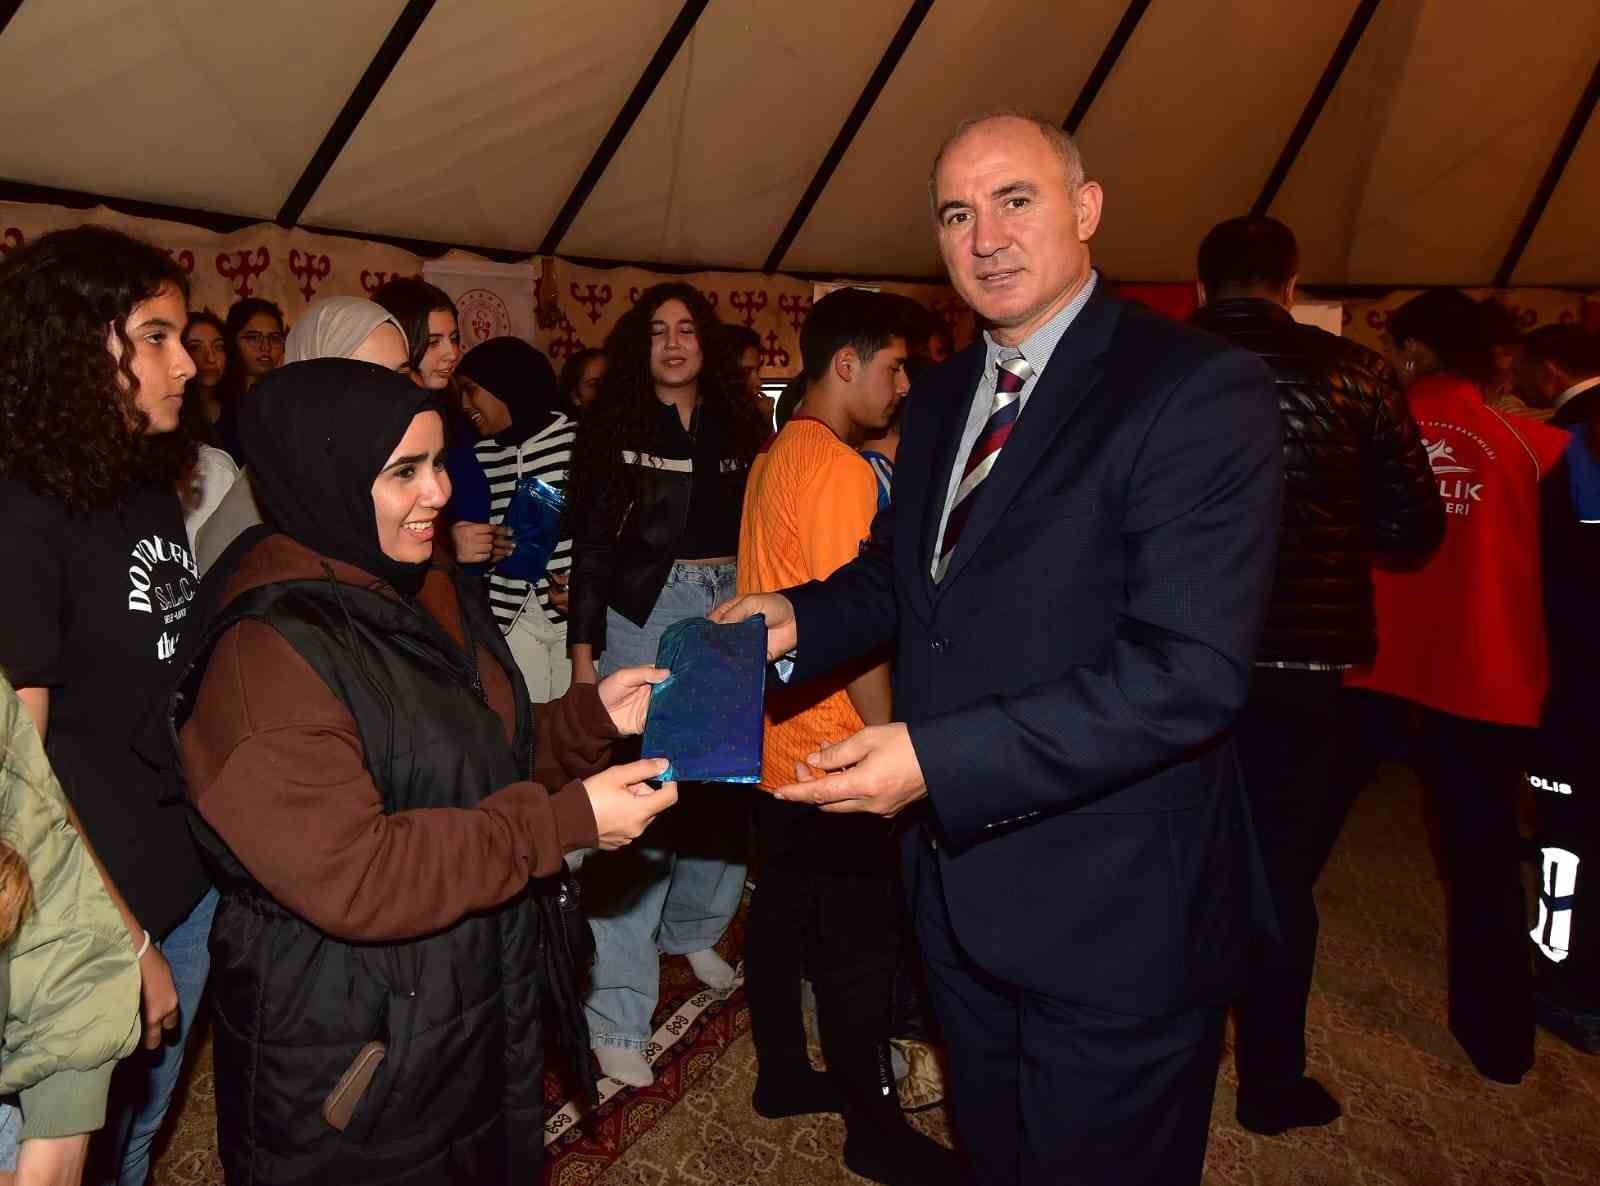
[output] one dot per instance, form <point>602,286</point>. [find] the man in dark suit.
<point>1073,571</point>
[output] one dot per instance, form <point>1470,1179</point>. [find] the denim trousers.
<point>142,1086</point>
<point>676,888</point>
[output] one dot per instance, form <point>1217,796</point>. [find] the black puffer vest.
<point>459,1096</point>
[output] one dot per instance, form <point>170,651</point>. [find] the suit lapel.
<point>1071,374</point>
<point>949,420</point>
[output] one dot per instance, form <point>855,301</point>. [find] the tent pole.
<point>847,134</point>
<point>654,70</point>
<point>1552,177</point>
<point>355,108</point>
<point>1342,54</point>
<point>1120,36</point>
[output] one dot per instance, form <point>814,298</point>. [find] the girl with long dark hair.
<point>428,318</point>
<point>206,340</point>
<point>254,336</point>
<point>657,490</point>
<point>100,584</point>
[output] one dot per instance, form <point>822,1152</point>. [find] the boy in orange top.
<point>825,900</point>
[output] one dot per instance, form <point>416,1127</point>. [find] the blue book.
<point>705,718</point>
<point>534,520</point>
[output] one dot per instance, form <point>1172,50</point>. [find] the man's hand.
<point>626,695</point>
<point>877,771</point>
<point>478,543</point>
<point>782,633</point>
<point>158,997</point>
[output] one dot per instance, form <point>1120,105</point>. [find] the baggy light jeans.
<point>676,889</point>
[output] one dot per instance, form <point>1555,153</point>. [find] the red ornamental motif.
<point>184,259</point>
<point>772,354</point>
<point>794,307</point>
<point>483,316</point>
<point>372,281</point>
<point>567,342</point>
<point>10,241</point>
<point>747,304</point>
<point>593,297</point>
<point>245,271</point>
<point>635,292</point>
<point>1378,319</point>
<point>310,270</point>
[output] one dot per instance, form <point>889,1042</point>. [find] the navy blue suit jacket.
<point>1070,685</point>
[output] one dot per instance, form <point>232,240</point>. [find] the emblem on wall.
<point>483,316</point>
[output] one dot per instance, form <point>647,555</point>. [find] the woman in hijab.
<point>384,808</point>
<point>509,395</point>
<point>337,327</point>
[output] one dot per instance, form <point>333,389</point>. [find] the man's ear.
<point>1291,290</point>
<point>1090,199</point>
<point>1200,293</point>
<point>845,363</point>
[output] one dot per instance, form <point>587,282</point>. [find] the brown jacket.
<point>274,765</point>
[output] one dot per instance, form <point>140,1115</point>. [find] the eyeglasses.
<point>255,341</point>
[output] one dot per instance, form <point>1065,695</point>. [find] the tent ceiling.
<point>213,106</point>
<point>1420,168</point>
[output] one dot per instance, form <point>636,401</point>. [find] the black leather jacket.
<point>624,543</point>
<point>1356,482</point>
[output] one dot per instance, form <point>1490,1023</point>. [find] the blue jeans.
<point>142,1087</point>
<point>677,893</point>
<point>10,1134</point>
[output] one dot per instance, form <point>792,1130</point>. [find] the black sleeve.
<point>1408,516</point>
<point>594,555</point>
<point>33,537</point>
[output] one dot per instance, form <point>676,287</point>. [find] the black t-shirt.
<point>716,493</point>
<point>92,608</point>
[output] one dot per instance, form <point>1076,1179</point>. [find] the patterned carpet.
<point>1416,1114</point>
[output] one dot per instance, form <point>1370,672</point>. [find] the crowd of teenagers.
<point>281,732</point>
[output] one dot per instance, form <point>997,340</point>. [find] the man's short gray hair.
<point>1065,147</point>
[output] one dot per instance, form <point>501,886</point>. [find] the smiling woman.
<point>509,396</point>
<point>386,816</point>
<point>411,490</point>
<point>427,315</point>
<point>92,452</point>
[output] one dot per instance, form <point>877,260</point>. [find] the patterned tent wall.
<point>580,305</point>
<point>294,268</point>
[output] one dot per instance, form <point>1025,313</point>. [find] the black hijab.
<point>318,433</point>
<point>520,377</point>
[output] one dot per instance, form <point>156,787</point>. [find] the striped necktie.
<point>1012,375</point>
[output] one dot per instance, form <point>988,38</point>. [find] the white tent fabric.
<point>1419,170</point>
